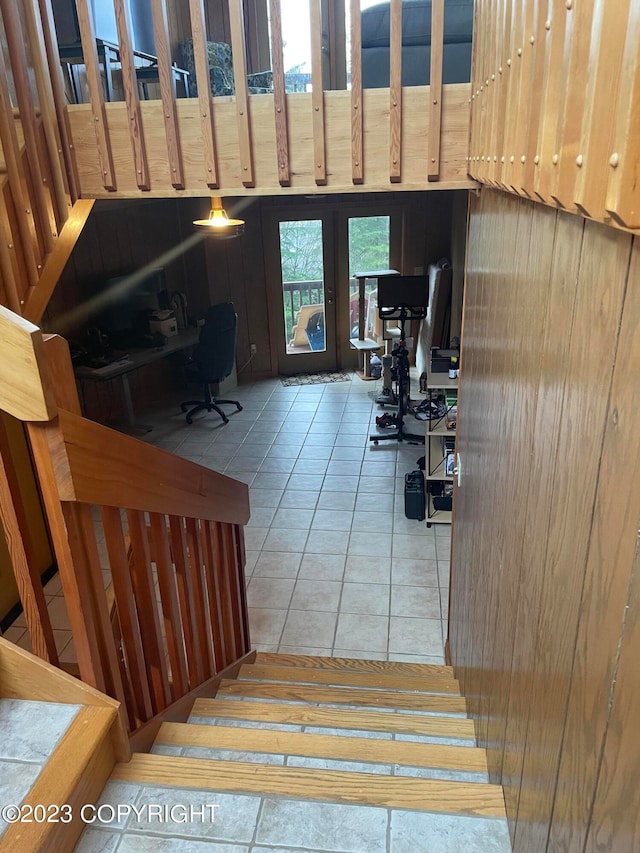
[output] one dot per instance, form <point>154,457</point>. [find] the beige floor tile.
<point>261,516</point>
<point>369,598</point>
<point>414,572</point>
<point>305,482</point>
<point>266,625</point>
<point>299,499</point>
<point>304,650</point>
<point>413,547</point>
<point>277,564</point>
<point>376,522</point>
<point>402,524</point>
<point>337,500</point>
<point>273,593</point>
<point>415,636</point>
<point>324,542</point>
<point>367,570</point>
<point>293,519</point>
<point>285,539</point>
<point>356,631</point>
<point>306,627</point>
<point>420,601</point>
<point>316,595</point>
<point>370,502</point>
<point>327,567</point>
<point>254,537</point>
<point>370,545</point>
<point>332,519</point>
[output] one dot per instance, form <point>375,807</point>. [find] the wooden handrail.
<point>139,476</point>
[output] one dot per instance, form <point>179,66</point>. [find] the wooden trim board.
<point>352,664</point>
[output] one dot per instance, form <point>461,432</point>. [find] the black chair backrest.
<point>217,350</point>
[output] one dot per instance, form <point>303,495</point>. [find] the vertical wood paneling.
<point>547,519</point>
<point>168,92</point>
<point>357,149</point>
<point>395,91</point>
<point>614,826</point>
<point>610,566</point>
<point>317,94</point>
<point>238,46</point>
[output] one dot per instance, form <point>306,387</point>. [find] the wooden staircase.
<point>285,727</point>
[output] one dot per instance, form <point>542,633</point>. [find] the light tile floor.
<point>333,564</point>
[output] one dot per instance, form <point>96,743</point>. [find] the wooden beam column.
<point>435,89</point>
<point>317,94</point>
<point>239,51</point>
<point>357,152</point>
<point>168,92</point>
<point>201,60</point>
<point>279,95</point>
<point>395,92</point>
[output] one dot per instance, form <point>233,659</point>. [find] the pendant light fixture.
<point>218,224</point>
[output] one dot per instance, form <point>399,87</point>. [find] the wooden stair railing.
<point>169,531</point>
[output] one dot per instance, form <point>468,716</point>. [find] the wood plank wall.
<point>555,94</point>
<point>545,568</point>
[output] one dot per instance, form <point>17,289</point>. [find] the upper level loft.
<point>250,97</point>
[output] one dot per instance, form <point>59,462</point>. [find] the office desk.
<point>135,360</point>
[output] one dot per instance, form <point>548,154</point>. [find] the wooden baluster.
<point>186,601</point>
<point>170,607</point>
<point>196,579</point>
<point>148,615</point>
<point>564,168</point>
<point>75,581</point>
<point>55,78</point>
<point>18,54</point>
<point>16,179</point>
<point>395,91</point>
<point>551,98</point>
<point>127,613</point>
<point>201,60</point>
<point>38,297</point>
<point>223,557</point>
<point>132,98</point>
<point>168,92</point>
<point>622,191</point>
<point>28,581</point>
<point>82,543</point>
<point>357,121</point>
<point>47,110</point>
<point>598,122</point>
<point>9,278</point>
<point>279,95</point>
<point>90,54</point>
<point>212,570</point>
<point>435,89</point>
<point>524,73</point>
<point>317,95</point>
<point>536,96</point>
<point>241,560</point>
<point>239,52</point>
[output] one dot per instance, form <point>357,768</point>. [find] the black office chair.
<point>214,359</point>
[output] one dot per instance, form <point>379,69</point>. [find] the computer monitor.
<point>403,293</point>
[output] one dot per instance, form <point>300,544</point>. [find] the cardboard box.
<point>164,327</point>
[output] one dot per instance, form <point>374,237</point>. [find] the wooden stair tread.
<point>467,798</point>
<point>343,695</point>
<point>353,664</point>
<point>433,684</point>
<point>336,718</point>
<point>407,753</point>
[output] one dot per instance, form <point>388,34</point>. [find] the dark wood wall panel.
<point>547,516</point>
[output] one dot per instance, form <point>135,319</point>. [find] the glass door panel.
<point>369,249</point>
<point>302,276</point>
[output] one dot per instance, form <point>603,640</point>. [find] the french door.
<point>300,271</point>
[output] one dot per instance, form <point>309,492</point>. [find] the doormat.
<point>316,378</point>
